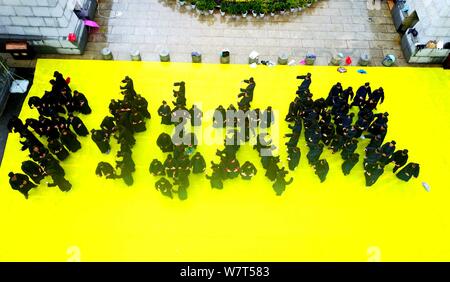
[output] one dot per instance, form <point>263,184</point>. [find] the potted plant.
<point>271,8</point>
<point>181,2</point>
<point>263,9</point>
<point>309,2</point>
<point>234,9</point>
<point>202,6</point>
<point>193,4</point>
<point>293,4</point>
<point>210,4</point>
<point>243,7</point>
<point>256,8</point>
<point>310,59</point>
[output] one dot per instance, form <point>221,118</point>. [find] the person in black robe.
<point>321,169</point>
<point>248,170</point>
<point>106,169</point>
<point>169,166</point>
<point>349,148</point>
<point>62,183</point>
<point>361,95</point>
<point>165,187</point>
<point>346,94</point>
<point>386,152</point>
<point>377,96</point>
<point>128,89</point>
<point>334,93</point>
<point>156,168</point>
<point>77,125</point>
<point>165,113</point>
<point>51,165</point>
<point>399,158</point>
<point>216,176</point>
<point>101,139</point>
<point>80,103</point>
<point>349,163</point>
<point>315,150</point>
<point>305,83</point>
<point>267,118</point>
<point>35,125</point>
<point>141,105</point>
<point>164,142</point>
<point>49,127</point>
<point>280,183</point>
<point>138,122</point>
<point>69,140</point>
<point>126,166</point>
<point>231,167</point>
<point>272,168</point>
<point>198,163</point>
<point>108,125</point>
<point>33,170</point>
<point>60,82</point>
<point>56,148</point>
<point>293,140</point>
<point>327,130</point>
<point>410,170</point>
<point>180,94</point>
<point>219,117</point>
<point>293,110</point>
<point>244,103</point>
<point>293,158</point>
<point>21,183</point>
<point>250,88</point>
<point>375,141</point>
<point>37,153</point>
<point>182,180</point>
<point>372,172</point>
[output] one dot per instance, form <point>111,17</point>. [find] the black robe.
<point>321,169</point>
<point>164,186</point>
<point>349,163</point>
<point>33,170</point>
<point>294,155</point>
<point>198,163</point>
<point>248,170</point>
<point>69,140</point>
<point>101,139</point>
<point>22,184</point>
<point>409,171</point>
<point>56,148</point>
<point>156,168</point>
<point>105,169</point>
<point>166,114</point>
<point>78,126</point>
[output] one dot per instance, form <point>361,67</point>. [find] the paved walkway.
<point>326,28</point>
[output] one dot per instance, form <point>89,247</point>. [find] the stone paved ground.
<point>328,27</point>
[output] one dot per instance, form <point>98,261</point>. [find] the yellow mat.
<point>339,220</point>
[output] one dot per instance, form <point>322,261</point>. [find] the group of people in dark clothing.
<point>58,125</point>
<point>128,116</point>
<point>181,159</point>
<point>326,122</point>
<point>329,122</point>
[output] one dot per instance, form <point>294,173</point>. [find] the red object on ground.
<point>72,37</point>
<point>68,80</point>
<point>348,60</point>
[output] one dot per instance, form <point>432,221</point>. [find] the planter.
<point>222,13</point>
<point>293,10</point>
<point>164,56</point>
<point>196,57</point>
<point>282,12</point>
<point>225,57</point>
<point>211,12</point>
<point>181,3</point>
<point>244,15</point>
<point>261,15</point>
<point>272,14</point>
<point>192,6</point>
<point>255,14</point>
